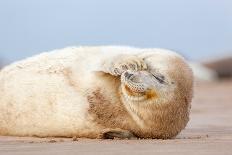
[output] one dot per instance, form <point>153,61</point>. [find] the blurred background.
<point>201,30</point>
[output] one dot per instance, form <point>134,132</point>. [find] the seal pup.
<point>96,92</point>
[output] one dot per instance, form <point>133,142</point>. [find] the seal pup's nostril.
<point>128,75</point>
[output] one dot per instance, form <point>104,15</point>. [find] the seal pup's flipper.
<point>116,65</point>
<point>117,133</point>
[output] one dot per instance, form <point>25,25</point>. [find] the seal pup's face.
<point>151,85</point>
<point>166,76</point>
<point>145,86</point>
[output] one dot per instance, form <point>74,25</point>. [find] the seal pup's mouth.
<point>135,87</point>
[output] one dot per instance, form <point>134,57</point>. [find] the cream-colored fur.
<point>60,93</point>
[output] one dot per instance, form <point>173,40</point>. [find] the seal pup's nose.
<point>128,75</point>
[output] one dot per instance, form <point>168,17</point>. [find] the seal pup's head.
<point>159,98</point>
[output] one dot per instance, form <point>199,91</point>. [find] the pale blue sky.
<point>195,28</point>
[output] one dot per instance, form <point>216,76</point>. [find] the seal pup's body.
<point>86,92</point>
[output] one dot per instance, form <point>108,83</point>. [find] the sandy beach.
<point>208,132</point>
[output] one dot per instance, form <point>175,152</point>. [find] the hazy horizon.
<point>197,29</point>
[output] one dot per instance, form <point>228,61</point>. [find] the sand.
<point>208,132</point>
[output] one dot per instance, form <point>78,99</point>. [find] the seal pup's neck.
<point>134,104</point>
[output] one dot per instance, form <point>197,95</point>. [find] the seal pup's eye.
<point>159,78</point>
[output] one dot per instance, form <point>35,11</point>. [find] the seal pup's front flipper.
<point>117,64</point>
